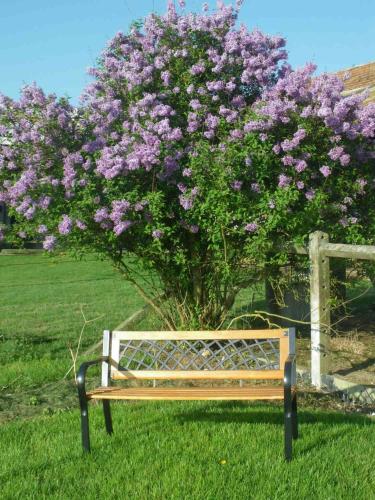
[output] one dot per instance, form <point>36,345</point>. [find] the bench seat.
<point>189,393</point>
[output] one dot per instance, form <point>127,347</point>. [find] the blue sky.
<point>54,42</point>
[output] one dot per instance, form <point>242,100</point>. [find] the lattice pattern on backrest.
<point>220,354</point>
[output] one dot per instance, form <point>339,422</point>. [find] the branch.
<point>75,355</point>
<point>125,271</point>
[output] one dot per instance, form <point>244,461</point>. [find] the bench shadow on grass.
<point>233,412</point>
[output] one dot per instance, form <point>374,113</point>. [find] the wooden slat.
<point>189,393</point>
<point>200,335</point>
<point>198,374</point>
<point>284,351</point>
<point>362,252</point>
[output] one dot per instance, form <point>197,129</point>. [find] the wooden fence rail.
<point>320,251</point>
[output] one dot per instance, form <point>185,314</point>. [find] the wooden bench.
<point>267,355</point>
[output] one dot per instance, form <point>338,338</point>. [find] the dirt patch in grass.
<point>45,400</point>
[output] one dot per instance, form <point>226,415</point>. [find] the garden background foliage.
<point>197,149</point>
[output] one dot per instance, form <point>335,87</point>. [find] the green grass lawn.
<point>162,450</point>
<point>41,300</point>
<point>189,450</point>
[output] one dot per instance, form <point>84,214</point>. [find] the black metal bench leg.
<point>288,426</point>
<point>107,416</point>
<point>85,425</point>
<point>294,417</point>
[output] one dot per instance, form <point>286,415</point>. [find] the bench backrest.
<point>229,354</point>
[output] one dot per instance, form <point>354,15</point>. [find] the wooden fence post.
<point>319,304</point>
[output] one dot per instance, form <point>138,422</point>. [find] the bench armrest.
<point>81,377</point>
<point>290,371</point>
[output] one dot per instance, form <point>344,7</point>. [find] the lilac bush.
<point>198,150</point>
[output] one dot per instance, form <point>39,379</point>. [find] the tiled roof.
<point>360,78</point>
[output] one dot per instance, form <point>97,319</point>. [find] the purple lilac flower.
<point>238,101</point>
<point>215,86</point>
<point>289,144</point>
<point>344,222</point>
<point>140,205</point>
<point>263,137</point>
<point>271,204</point>
<point>193,228</point>
<point>101,215</point>
<point>65,226</point>
<point>166,78</point>
<point>193,126</point>
<point>44,202</point>
<point>49,243</point>
<point>325,170</point>
<point>345,160</point>
<point>198,68</point>
<point>212,121</point>
<point>287,160</point>
<point>236,134</point>
<point>175,134</point>
<point>22,234</point>
<point>230,86</point>
<point>310,194</point>
<point>237,185</point>
<point>30,212</point>
<point>209,134</point>
<point>361,183</point>
<point>195,104</point>
<point>300,184</point>
<point>187,172</point>
<point>205,7</point>
<point>284,181</point>
<point>42,229</point>
<point>251,227</point>
<point>255,187</point>
<point>157,234</point>
<point>336,152</point>
<point>81,225</point>
<point>253,125</point>
<point>300,166</point>
<point>121,227</point>
<point>248,161</point>
<point>186,202</point>
<point>119,209</point>
<point>335,138</point>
